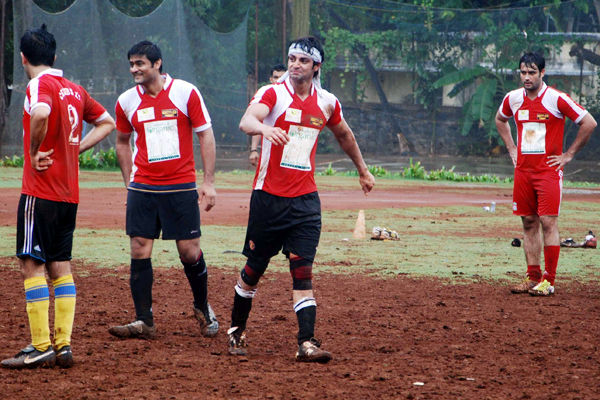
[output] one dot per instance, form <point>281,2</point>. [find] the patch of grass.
<point>457,243</point>
<point>449,242</point>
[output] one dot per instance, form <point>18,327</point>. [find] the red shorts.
<point>537,193</point>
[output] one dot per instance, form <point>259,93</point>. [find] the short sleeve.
<point>336,116</point>
<point>40,92</point>
<point>123,124</point>
<point>265,95</point>
<point>198,112</point>
<point>505,109</point>
<point>570,108</point>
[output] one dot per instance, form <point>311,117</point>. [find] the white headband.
<point>315,54</point>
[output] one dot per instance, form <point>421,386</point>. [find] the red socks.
<point>534,273</point>
<point>551,254</point>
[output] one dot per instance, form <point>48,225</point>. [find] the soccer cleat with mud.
<point>209,326</point>
<point>64,357</point>
<point>310,351</point>
<point>544,288</point>
<point>136,329</point>
<point>30,357</point>
<point>237,341</point>
<point>524,287</point>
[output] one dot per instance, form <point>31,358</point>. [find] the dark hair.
<point>38,46</point>
<point>277,67</point>
<point>306,43</point>
<point>148,49</point>
<point>530,59</point>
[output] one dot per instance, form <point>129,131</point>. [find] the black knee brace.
<point>301,271</point>
<point>253,270</point>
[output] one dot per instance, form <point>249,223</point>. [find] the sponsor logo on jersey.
<point>251,245</point>
<point>145,114</point>
<point>514,206</point>
<point>542,117</point>
<point>293,115</point>
<point>523,115</point>
<point>316,121</point>
<point>169,113</point>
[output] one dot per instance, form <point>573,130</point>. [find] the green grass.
<point>455,243</point>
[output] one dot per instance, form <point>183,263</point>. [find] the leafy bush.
<point>14,161</point>
<point>98,160</point>
<point>329,171</point>
<point>414,171</point>
<point>377,170</point>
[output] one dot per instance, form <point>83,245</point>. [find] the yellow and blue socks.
<point>64,310</point>
<point>37,297</point>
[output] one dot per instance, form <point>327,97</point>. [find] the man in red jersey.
<point>53,116</point>
<point>277,72</point>
<point>163,114</point>
<point>539,112</point>
<point>285,211</point>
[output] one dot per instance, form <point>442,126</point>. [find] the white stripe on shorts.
<point>28,225</point>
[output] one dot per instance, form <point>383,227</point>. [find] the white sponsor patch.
<point>162,140</point>
<point>296,154</point>
<point>533,138</point>
<point>523,115</point>
<point>145,114</point>
<point>293,115</point>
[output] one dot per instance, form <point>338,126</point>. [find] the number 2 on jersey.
<point>74,121</point>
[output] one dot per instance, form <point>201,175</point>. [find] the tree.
<point>300,18</point>
<point>3,72</point>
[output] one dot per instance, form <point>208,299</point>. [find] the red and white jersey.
<point>69,106</point>
<point>540,124</point>
<point>288,171</point>
<point>163,129</point>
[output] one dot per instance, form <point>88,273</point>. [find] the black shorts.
<point>45,229</point>
<point>289,223</point>
<point>177,214</point>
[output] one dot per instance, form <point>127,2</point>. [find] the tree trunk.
<point>300,18</point>
<point>597,8</point>
<point>364,54</point>
<point>3,90</point>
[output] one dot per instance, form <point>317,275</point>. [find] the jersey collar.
<point>290,87</point>
<point>168,81</point>
<point>51,71</point>
<point>540,93</point>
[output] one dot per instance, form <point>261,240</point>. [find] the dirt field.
<point>470,341</point>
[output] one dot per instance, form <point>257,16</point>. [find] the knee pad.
<point>253,270</point>
<point>301,271</point>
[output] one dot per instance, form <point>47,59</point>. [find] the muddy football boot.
<point>64,357</point>
<point>209,326</point>
<point>136,329</point>
<point>524,287</point>
<point>310,351</point>
<point>237,341</point>
<point>543,288</point>
<point>30,357</point>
